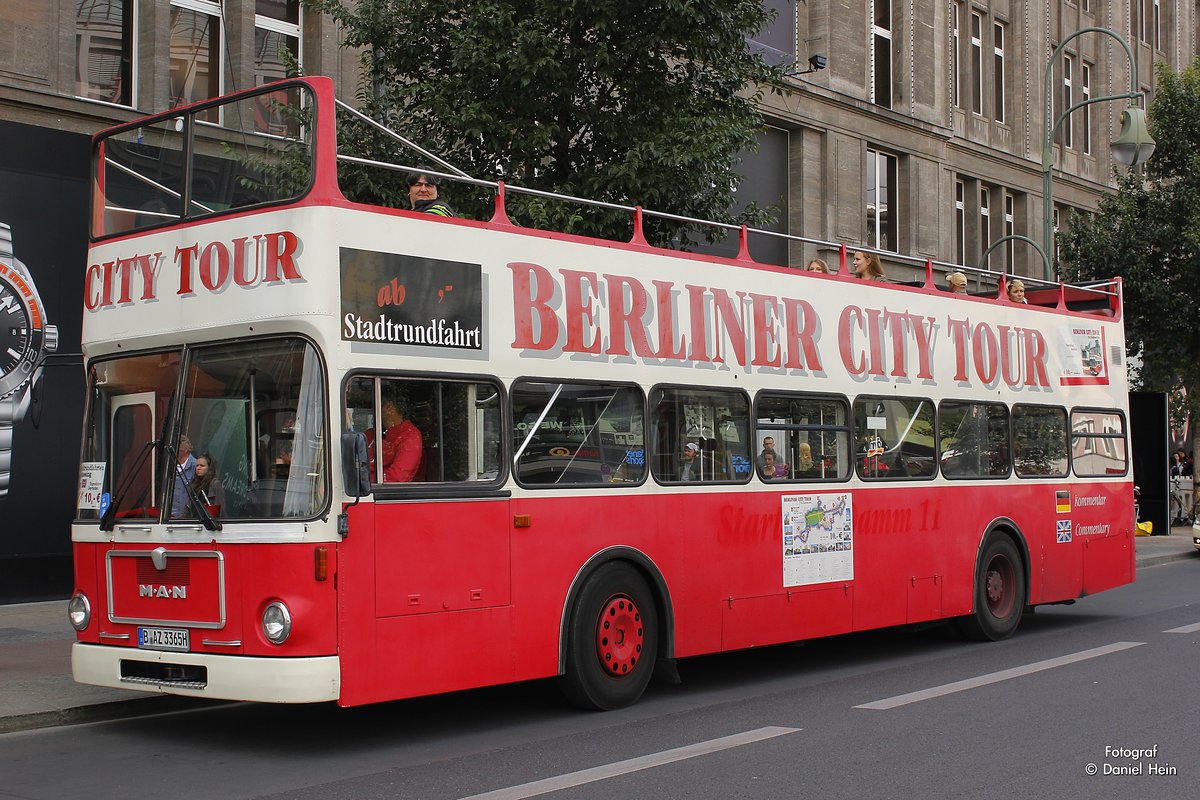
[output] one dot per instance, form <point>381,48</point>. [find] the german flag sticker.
<point>1062,501</point>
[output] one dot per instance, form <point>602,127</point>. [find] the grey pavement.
<point>36,690</point>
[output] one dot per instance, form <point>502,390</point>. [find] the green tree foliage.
<point>630,101</point>
<point>1148,234</point>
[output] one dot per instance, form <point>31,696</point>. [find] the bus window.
<point>1097,443</point>
<point>894,438</point>
<point>973,440</point>
<point>577,433</point>
<point>810,437</point>
<point>701,435</point>
<point>433,431</point>
<point>257,409</point>
<point>1039,441</point>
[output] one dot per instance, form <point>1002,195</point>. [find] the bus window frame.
<point>889,479</point>
<point>652,448</point>
<point>511,450</point>
<point>849,455</point>
<point>1123,436</point>
<point>1066,412</point>
<point>1008,473</point>
<point>189,114</point>
<point>437,489</point>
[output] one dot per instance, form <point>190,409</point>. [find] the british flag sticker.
<point>1064,530</point>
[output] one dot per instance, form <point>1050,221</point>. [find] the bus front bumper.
<point>217,677</point>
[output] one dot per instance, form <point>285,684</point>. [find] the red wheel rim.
<point>999,587</point>
<point>619,635</point>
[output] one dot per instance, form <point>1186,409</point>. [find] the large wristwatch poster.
<point>43,253</point>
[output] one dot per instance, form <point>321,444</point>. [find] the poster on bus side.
<point>818,538</point>
<point>1082,353</point>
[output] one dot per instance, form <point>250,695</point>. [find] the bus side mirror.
<point>356,464</point>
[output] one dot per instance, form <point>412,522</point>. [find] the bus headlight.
<point>276,622</point>
<point>79,611</point>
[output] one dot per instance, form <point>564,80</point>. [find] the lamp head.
<point>1133,146</point>
<point>817,62</point>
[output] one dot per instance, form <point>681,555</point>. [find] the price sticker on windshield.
<point>91,484</point>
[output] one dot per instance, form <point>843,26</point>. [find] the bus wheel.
<point>612,639</point>
<point>999,593</point>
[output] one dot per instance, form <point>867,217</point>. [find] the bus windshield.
<point>252,414</point>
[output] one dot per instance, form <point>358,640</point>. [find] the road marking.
<point>996,677</point>
<point>605,771</point>
<point>1185,629</point>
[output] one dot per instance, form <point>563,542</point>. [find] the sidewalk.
<point>35,659</point>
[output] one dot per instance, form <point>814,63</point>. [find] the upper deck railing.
<point>277,145</point>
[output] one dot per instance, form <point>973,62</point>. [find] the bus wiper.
<point>206,519</point>
<point>110,514</point>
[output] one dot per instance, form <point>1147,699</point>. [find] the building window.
<point>104,50</point>
<point>976,62</point>
<point>985,225</point>
<point>955,57</point>
<point>998,78</point>
<point>276,39</point>
<point>195,51</point>
<point>1057,217</point>
<point>1068,138</point>
<point>1085,79</point>
<point>881,194</point>
<point>1010,229</point>
<point>881,53</point>
<point>1156,24</point>
<point>960,223</point>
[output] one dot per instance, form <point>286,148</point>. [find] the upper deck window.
<point>242,153</point>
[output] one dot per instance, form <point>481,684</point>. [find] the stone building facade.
<point>924,133</point>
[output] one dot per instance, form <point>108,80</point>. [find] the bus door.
<point>426,563</point>
<point>133,459</point>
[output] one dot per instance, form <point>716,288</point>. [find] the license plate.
<point>163,639</point>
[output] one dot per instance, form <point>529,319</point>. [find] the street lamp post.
<point>1131,148</point>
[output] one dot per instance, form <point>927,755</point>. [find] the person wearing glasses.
<point>423,194</point>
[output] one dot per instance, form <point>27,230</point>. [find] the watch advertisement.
<point>43,253</point>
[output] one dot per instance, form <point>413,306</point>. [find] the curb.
<point>1155,560</point>
<point>102,712</point>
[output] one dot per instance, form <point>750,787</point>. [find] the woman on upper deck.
<point>423,194</point>
<point>868,267</point>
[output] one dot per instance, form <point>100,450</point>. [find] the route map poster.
<point>818,538</point>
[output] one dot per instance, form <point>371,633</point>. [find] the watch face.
<point>14,328</point>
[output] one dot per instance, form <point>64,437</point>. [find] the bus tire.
<point>999,593</point>
<point>612,639</point>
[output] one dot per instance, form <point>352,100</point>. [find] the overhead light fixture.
<point>1134,145</point>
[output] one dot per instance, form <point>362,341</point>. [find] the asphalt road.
<point>897,713</point>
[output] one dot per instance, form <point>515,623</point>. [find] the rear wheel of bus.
<point>999,592</point>
<point>612,638</point>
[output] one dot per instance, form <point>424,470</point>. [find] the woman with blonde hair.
<point>817,265</point>
<point>1016,291</point>
<point>868,266</point>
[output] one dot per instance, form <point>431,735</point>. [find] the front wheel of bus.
<point>612,639</point>
<point>999,593</point>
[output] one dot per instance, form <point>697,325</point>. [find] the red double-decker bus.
<point>335,451</point>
